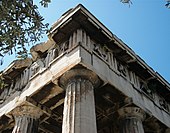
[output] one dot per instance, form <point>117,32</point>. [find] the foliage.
<point>2,82</point>
<point>44,3</point>
<point>21,25</point>
<point>168,4</point>
<point>126,2</point>
<point>129,2</point>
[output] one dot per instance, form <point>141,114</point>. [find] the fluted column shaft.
<point>26,119</point>
<point>79,107</point>
<point>131,120</point>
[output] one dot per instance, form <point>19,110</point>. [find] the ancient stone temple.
<point>84,79</point>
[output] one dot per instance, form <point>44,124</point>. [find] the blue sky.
<point>144,27</point>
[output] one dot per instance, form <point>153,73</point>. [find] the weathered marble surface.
<point>26,119</point>
<point>131,120</point>
<point>79,107</point>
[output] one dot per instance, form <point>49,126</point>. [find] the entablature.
<point>103,52</point>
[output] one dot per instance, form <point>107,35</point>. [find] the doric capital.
<point>130,112</point>
<point>77,73</point>
<point>27,110</point>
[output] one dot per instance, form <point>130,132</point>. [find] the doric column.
<point>131,120</point>
<point>26,119</point>
<point>79,107</point>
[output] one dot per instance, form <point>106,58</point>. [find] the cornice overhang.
<point>76,18</point>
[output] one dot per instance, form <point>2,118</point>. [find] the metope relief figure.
<point>122,69</point>
<point>163,104</point>
<point>146,89</point>
<point>63,47</point>
<point>101,51</point>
